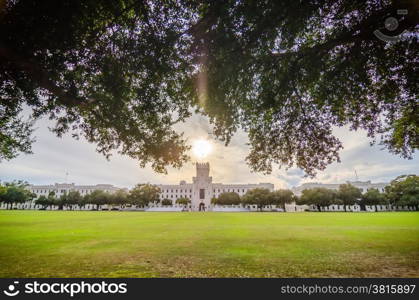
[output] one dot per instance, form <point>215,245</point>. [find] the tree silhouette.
<point>122,73</point>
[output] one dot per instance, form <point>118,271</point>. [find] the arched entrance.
<point>201,206</point>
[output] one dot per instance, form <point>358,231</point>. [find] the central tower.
<point>202,187</point>
<point>202,171</point>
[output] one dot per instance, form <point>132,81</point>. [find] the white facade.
<point>60,189</point>
<point>202,189</point>
<point>64,188</point>
<point>363,185</point>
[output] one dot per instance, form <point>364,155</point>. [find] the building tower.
<point>202,171</point>
<point>202,187</point>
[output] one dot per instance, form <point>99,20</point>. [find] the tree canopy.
<point>167,202</point>
<point>183,201</point>
<point>404,190</point>
<point>97,197</point>
<point>373,197</point>
<point>227,198</point>
<point>143,194</point>
<point>282,197</point>
<point>49,201</point>
<point>122,73</point>
<point>120,197</point>
<point>258,196</point>
<point>320,197</point>
<point>15,192</point>
<point>349,194</point>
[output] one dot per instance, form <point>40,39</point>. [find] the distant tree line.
<point>15,192</point>
<point>402,191</point>
<point>260,197</point>
<point>183,201</point>
<point>140,196</point>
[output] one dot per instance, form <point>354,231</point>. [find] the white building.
<point>202,189</point>
<point>64,188</point>
<point>60,189</point>
<point>363,185</point>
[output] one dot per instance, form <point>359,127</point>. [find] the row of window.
<point>175,196</point>
<point>62,191</point>
<point>215,191</point>
<point>46,191</point>
<point>235,190</point>
<point>175,191</point>
<point>231,190</point>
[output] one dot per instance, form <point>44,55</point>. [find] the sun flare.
<point>201,148</point>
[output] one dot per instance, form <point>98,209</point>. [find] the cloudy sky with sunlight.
<point>53,157</point>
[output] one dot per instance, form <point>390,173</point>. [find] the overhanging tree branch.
<point>40,77</point>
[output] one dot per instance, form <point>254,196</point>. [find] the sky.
<point>53,157</point>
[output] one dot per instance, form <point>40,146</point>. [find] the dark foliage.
<point>122,73</point>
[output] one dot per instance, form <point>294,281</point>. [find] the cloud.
<point>53,157</point>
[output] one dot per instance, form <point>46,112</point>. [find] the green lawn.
<point>136,244</point>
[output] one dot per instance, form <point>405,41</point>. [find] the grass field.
<point>135,244</point>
